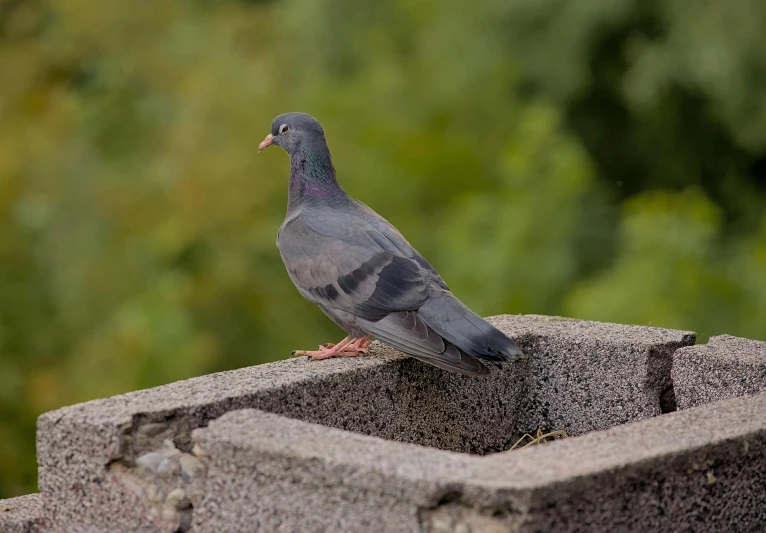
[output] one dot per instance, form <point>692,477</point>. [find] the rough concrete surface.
<point>581,377</point>
<point>725,367</point>
<point>21,515</point>
<point>172,483</point>
<point>587,376</point>
<point>702,469</point>
<point>78,447</point>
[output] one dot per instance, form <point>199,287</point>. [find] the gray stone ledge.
<point>21,515</point>
<point>581,377</point>
<point>725,367</point>
<point>700,469</point>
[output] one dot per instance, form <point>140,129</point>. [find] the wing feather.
<point>359,270</point>
<point>407,332</point>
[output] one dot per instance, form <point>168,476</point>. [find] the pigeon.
<point>364,275</point>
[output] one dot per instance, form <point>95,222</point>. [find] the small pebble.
<point>199,452</point>
<point>191,466</point>
<point>169,467</point>
<point>151,430</point>
<point>150,461</point>
<point>169,514</point>
<point>441,524</point>
<point>177,498</point>
<point>154,495</point>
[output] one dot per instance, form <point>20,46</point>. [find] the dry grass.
<point>539,438</point>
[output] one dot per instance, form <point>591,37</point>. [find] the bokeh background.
<point>601,159</point>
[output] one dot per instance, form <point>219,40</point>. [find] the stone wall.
<point>668,435</point>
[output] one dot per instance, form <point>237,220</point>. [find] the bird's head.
<point>291,131</point>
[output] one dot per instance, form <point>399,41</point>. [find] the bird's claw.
<point>346,348</point>
<point>323,354</point>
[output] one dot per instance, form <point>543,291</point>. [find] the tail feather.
<point>406,331</point>
<point>453,321</point>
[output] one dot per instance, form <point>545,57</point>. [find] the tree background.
<point>601,159</point>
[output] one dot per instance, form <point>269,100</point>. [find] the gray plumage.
<point>363,274</point>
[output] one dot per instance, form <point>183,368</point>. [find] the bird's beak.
<point>266,142</point>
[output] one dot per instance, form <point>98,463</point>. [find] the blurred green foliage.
<point>601,159</point>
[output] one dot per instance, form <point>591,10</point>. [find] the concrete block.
<point>725,367</point>
<point>586,376</point>
<point>702,469</point>
<point>21,515</point>
<point>101,463</point>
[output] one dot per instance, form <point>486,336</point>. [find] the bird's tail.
<point>453,321</point>
<point>406,331</point>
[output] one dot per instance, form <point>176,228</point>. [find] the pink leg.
<point>359,346</point>
<point>348,347</point>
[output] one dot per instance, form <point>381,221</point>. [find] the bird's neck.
<point>312,176</point>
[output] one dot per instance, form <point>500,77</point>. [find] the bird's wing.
<point>406,331</point>
<point>391,234</point>
<point>339,259</point>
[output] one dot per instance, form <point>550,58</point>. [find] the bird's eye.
<point>283,128</point>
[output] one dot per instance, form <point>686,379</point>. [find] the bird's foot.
<point>360,345</point>
<point>348,347</point>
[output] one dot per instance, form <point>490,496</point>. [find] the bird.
<point>364,275</point>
